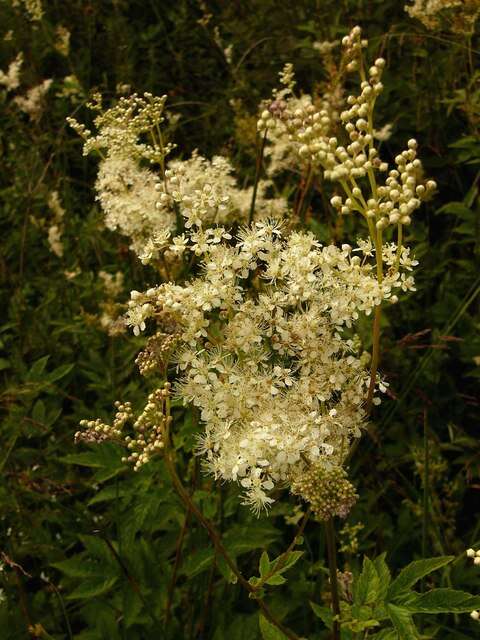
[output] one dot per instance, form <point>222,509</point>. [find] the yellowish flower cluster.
<point>456,15</point>
<point>152,204</point>
<point>268,361</point>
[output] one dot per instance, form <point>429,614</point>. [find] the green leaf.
<point>276,580</point>
<point>92,587</point>
<point>225,570</point>
<point>198,562</point>
<point>105,457</point>
<point>38,411</point>
<point>37,369</point>
<point>242,538</point>
<point>268,630</point>
<point>443,601</point>
<point>59,372</point>
<point>324,613</point>
<point>413,572</point>
<point>459,209</point>
<point>264,564</point>
<point>403,622</point>
<point>383,573</point>
<point>279,565</point>
<point>367,586</point>
<point>77,567</point>
<point>385,634</point>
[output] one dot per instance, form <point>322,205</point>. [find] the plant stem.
<point>375,356</point>
<point>217,543</point>
<point>301,209</point>
<point>332,565</point>
<point>258,168</point>
<point>426,473</point>
<point>178,555</point>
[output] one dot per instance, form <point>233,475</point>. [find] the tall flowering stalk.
<point>259,335</point>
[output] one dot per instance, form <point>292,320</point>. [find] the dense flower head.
<point>151,200</point>
<point>265,352</point>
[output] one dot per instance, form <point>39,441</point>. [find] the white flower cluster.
<point>128,197</point>
<point>279,383</point>
<point>152,206</point>
<point>457,15</point>
<point>55,231</point>
<point>11,79</point>
<point>32,102</point>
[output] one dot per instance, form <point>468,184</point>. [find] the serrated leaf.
<point>226,572</point>
<point>324,613</point>
<point>132,607</point>
<point>276,580</point>
<point>367,586</point>
<point>384,576</point>
<point>242,539</point>
<point>268,630</point>
<point>443,601</point>
<point>264,565</point>
<point>385,634</point>
<point>458,209</point>
<point>92,588</point>
<point>198,562</point>
<point>403,622</point>
<point>414,572</point>
<point>287,563</point>
<point>76,567</point>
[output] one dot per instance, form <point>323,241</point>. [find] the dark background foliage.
<point>89,547</point>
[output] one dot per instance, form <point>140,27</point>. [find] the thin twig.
<point>425,509</point>
<point>258,168</point>
<point>178,555</point>
<point>332,566</point>
<point>375,357</point>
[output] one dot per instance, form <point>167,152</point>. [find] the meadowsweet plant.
<point>253,324</point>
<point>151,199</point>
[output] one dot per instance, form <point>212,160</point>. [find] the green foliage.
<point>95,552</point>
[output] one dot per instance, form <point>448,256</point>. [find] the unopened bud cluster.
<point>328,491</point>
<point>475,556</point>
<point>148,428</point>
<point>351,156</point>
<point>392,203</point>
<point>157,353</point>
<point>353,45</point>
